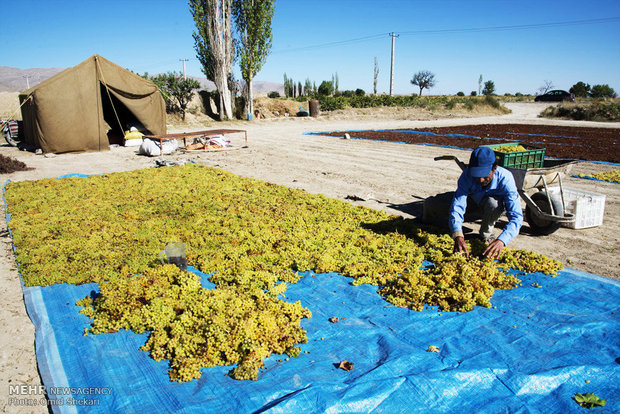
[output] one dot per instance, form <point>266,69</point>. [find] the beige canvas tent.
<point>87,108</point>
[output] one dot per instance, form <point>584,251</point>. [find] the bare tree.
<point>547,86</point>
<point>214,46</point>
<point>424,79</point>
<point>376,76</point>
<point>480,84</point>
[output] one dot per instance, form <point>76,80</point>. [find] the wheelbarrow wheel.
<point>540,225</point>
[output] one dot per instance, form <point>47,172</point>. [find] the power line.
<point>336,43</point>
<point>515,27</point>
<point>461,30</point>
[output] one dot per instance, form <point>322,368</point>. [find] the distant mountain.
<point>17,80</point>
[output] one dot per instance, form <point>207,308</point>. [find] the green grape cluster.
<point>529,262</point>
<point>611,176</point>
<point>510,148</point>
<point>455,283</point>
<point>193,327</point>
<point>255,237</point>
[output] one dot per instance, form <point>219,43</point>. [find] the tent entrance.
<point>116,132</point>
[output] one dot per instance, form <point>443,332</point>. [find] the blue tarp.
<point>539,345</point>
<point>593,179</point>
<point>532,352</point>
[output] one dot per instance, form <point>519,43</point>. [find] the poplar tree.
<point>253,21</point>
<point>214,45</point>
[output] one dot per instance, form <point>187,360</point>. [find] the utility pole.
<point>184,60</point>
<point>394,35</point>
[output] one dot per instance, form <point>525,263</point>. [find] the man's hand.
<point>460,245</point>
<point>494,249</point>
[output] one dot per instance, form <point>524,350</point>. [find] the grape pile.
<point>611,176</point>
<point>194,327</point>
<point>510,148</point>
<point>254,236</point>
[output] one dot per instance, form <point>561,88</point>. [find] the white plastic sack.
<point>133,142</point>
<point>149,148</point>
<point>219,140</point>
<point>170,146</point>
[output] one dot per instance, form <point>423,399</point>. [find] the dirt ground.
<point>390,176</point>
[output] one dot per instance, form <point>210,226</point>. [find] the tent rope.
<point>13,114</point>
<point>109,96</point>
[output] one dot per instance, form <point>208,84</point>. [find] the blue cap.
<point>481,162</point>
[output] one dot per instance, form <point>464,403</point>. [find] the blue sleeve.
<point>514,213</point>
<point>459,205</point>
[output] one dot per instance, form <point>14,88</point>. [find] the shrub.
<point>460,93</point>
<point>326,88</point>
<point>176,91</point>
<point>602,91</point>
<point>492,101</point>
<point>580,89</point>
<point>273,94</point>
<point>473,93</point>
<point>360,92</point>
<point>469,104</point>
<point>595,111</point>
<point>331,103</point>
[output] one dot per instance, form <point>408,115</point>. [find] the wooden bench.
<point>196,134</point>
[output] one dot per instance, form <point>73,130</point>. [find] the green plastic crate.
<point>533,157</point>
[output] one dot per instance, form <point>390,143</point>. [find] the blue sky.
<point>315,39</point>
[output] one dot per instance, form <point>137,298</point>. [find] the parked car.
<point>555,96</point>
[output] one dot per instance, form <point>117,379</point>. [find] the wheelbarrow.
<point>541,189</point>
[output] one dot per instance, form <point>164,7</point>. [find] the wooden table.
<point>196,134</point>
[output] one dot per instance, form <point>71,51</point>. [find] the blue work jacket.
<point>502,187</point>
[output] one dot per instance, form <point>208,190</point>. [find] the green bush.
<point>343,100</point>
<point>595,111</point>
<point>360,92</point>
<point>273,94</point>
<point>326,88</point>
<point>460,94</point>
<point>176,90</point>
<point>331,103</point>
<point>602,91</point>
<point>492,101</point>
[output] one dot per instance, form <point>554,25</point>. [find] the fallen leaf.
<point>346,365</point>
<point>333,319</point>
<point>432,348</point>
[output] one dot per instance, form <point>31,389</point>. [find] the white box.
<point>586,206</point>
